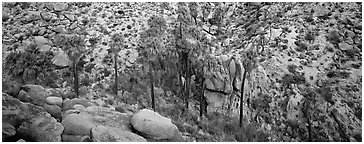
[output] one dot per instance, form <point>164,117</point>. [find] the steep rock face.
<point>223,84</point>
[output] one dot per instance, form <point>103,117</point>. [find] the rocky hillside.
<point>297,65</point>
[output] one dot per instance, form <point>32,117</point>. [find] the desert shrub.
<point>32,66</point>
<point>336,73</point>
<point>288,79</point>
<point>309,36</point>
<point>333,37</point>
<point>301,46</point>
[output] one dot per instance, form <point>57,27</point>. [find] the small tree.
<point>249,64</point>
<point>151,42</point>
<point>116,45</point>
<point>74,47</point>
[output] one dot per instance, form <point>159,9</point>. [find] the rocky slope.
<point>312,54</point>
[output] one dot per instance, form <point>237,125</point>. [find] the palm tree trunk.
<point>116,74</point>
<point>151,85</point>
<point>201,96</point>
<point>75,82</point>
<point>188,83</point>
<point>242,100</point>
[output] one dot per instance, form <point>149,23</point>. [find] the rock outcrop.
<point>42,128</point>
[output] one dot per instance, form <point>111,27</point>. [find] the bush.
<point>32,66</point>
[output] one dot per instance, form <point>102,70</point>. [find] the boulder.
<point>81,101</point>
<point>345,46</point>
<point>59,7</point>
<point>152,125</point>
<point>81,123</point>
<point>6,13</point>
<point>11,87</point>
<point>15,112</point>
<point>8,130</point>
<point>54,101</point>
<point>46,16</point>
<point>34,94</point>
<point>110,134</point>
<point>42,43</point>
<point>42,128</point>
<point>54,110</point>
<point>77,124</point>
<point>71,17</point>
<point>61,59</point>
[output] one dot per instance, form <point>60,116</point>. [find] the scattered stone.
<point>42,31</point>
<point>59,7</point>
<point>110,134</point>
<point>5,13</point>
<point>154,126</point>
<point>350,34</point>
<point>345,46</point>
<point>54,100</point>
<point>42,128</point>
<point>47,16</point>
<point>74,25</point>
<point>70,17</point>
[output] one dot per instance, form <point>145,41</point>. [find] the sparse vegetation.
<point>220,71</point>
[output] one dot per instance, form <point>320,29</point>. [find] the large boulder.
<point>15,112</point>
<point>77,124</point>
<point>110,134</point>
<point>154,126</point>
<point>42,128</point>
<point>34,94</point>
<point>81,123</point>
